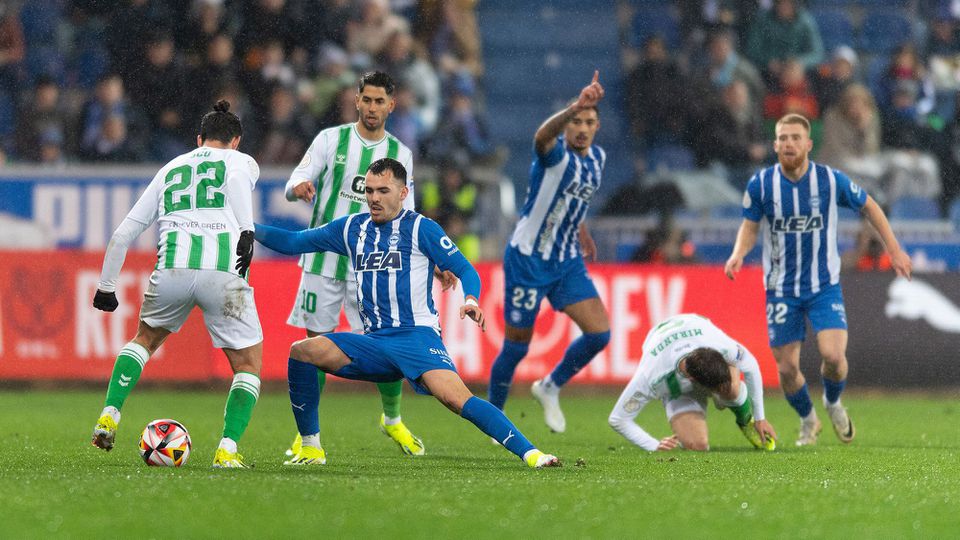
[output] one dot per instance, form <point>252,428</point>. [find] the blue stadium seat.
<point>727,211</point>
<point>548,28</point>
<point>882,30</point>
<point>847,214</point>
<point>89,65</point>
<point>914,208</point>
<point>672,157</point>
<point>954,214</point>
<point>650,22</point>
<point>835,27</point>
<point>45,60</point>
<point>40,19</point>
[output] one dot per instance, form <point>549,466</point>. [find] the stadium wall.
<point>902,333</point>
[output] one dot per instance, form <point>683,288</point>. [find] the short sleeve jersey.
<point>799,226</point>
<point>337,163</point>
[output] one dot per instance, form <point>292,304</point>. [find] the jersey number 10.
<point>179,181</point>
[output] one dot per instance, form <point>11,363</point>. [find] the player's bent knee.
<point>696,444</point>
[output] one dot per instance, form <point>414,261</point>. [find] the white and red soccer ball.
<point>165,443</point>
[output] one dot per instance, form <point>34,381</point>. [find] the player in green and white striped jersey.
<point>331,176</point>
<point>686,359</point>
<point>203,203</point>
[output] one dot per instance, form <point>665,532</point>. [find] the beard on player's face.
<point>793,160</point>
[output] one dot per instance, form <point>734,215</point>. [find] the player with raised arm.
<point>203,203</point>
<point>545,255</point>
<point>331,176</point>
<point>796,201</point>
<point>686,359</point>
<point>394,252</point>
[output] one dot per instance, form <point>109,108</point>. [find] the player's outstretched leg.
<point>392,425</point>
<point>547,390</point>
<point>810,425</point>
<point>501,374</point>
<point>494,423</point>
<point>126,372</point>
<point>297,443</point>
<point>842,424</point>
<point>244,392</point>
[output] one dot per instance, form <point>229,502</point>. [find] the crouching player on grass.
<point>394,252</point>
<point>686,360</point>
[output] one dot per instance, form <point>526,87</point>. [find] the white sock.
<point>229,445</point>
<point>810,417</point>
<point>312,440</point>
<point>390,421</point>
<point>113,412</point>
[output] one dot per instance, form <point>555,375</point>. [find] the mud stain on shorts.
<point>235,303</point>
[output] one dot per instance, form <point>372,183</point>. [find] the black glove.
<point>105,301</point>
<point>244,252</point>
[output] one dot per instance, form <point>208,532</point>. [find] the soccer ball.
<point>165,443</point>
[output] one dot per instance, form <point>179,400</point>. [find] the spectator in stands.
<point>323,22</point>
<point>404,122</point>
<point>333,75</point>
<point>344,109</point>
<point>944,36</point>
<point>666,244</point>
<point>905,130</point>
<point>793,94</point>
<point>137,18</point>
<point>786,31</point>
<point>404,60</point>
<point>218,69</point>
<point>285,138</point>
<point>208,21</point>
<point>732,135</point>
<point>368,34</point>
<point>830,80</point>
<point>449,30</point>
<point>159,89</point>
<point>97,138</point>
<point>452,202</point>
<point>867,254</point>
<point>112,142</point>
<point>906,67</point>
<point>698,16</point>
<point>267,21</point>
<point>41,124</point>
<point>725,66</point>
<point>656,97</point>
<point>462,132</point>
<point>12,49</point>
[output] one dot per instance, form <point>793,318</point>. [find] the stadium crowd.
<point>706,80</point>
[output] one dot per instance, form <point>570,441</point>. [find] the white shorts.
<point>318,303</point>
<point>696,401</point>
<point>225,299</point>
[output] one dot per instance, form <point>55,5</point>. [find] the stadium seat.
<point>89,65</point>
<point>40,19</point>
<point>835,26</point>
<point>882,30</point>
<point>954,214</point>
<point>727,211</point>
<point>671,157</point>
<point>8,115</point>
<point>649,22</point>
<point>914,208</point>
<point>847,214</point>
<point>556,29</point>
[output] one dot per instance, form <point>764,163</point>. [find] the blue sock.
<point>304,395</point>
<point>501,374</point>
<point>832,389</point>
<point>579,354</point>
<point>494,423</point>
<point>801,401</point>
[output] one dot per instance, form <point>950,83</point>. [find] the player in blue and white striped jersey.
<point>546,252</point>
<point>393,251</point>
<point>796,201</point>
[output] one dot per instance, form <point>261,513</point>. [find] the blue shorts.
<point>392,354</point>
<point>786,315</point>
<point>528,279</point>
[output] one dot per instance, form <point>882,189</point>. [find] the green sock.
<point>743,412</point>
<point>390,393</point>
<point>243,396</point>
<point>126,373</point>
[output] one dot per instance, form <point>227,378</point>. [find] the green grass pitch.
<point>900,478</point>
